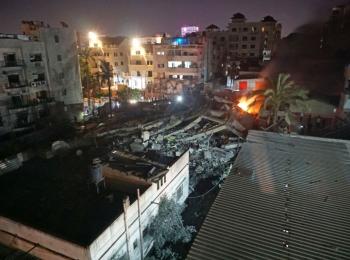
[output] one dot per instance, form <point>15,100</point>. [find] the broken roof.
<point>287,197</point>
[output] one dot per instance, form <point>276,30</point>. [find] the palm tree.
<point>86,60</point>
<point>107,74</point>
<point>280,96</point>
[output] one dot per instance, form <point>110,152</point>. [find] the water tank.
<point>96,171</point>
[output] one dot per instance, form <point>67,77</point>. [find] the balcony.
<point>11,63</point>
<point>29,104</point>
<point>183,70</point>
<point>14,85</point>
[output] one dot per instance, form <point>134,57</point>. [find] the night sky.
<point>144,17</point>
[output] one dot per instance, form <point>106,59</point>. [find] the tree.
<point>107,74</point>
<point>168,228</point>
<point>281,94</point>
<point>89,81</point>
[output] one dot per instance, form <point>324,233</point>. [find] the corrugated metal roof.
<point>288,197</point>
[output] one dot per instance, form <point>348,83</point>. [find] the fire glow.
<point>246,104</point>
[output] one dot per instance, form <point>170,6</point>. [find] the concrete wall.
<point>22,237</point>
<point>64,74</point>
<point>112,242</point>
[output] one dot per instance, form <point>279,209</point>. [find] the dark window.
<point>138,52</point>
<point>1,122</point>
<point>161,181</point>
<point>149,62</point>
<point>116,63</point>
<point>149,73</point>
<point>253,38</point>
<point>121,63</point>
<point>138,62</point>
<point>158,181</point>
<point>59,58</point>
<point>252,46</point>
<point>222,39</point>
<point>36,57</point>
<point>121,54</point>
<point>40,77</point>
<point>244,46</point>
<point>251,54</point>
<point>244,38</point>
<point>138,74</point>
<point>115,54</point>
<point>64,92</point>
<point>135,244</point>
<point>234,29</point>
<point>61,75</point>
<point>57,39</point>
<point>245,29</point>
<point>10,59</point>
<point>13,80</point>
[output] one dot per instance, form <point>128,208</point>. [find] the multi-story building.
<point>178,63</point>
<point>25,91</point>
<point>141,63</point>
<point>242,43</point>
<point>60,45</point>
<point>115,52</point>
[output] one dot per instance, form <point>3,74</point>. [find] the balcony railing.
<point>15,85</point>
<point>31,103</point>
<point>11,63</point>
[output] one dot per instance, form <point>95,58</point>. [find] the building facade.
<point>61,50</point>
<point>25,89</point>
<point>243,43</point>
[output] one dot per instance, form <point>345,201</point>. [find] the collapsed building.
<point>211,141</point>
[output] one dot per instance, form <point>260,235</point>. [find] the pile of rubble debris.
<point>212,142</point>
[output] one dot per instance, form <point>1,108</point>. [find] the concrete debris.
<point>137,147</point>
<point>212,142</point>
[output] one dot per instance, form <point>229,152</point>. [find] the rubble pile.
<point>212,142</point>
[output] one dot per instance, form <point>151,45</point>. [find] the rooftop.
<point>53,195</point>
<point>286,198</point>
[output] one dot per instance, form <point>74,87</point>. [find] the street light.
<point>92,36</point>
<point>179,99</point>
<point>136,42</point>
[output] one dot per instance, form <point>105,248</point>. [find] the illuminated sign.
<point>188,29</point>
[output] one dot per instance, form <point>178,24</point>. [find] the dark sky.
<point>143,17</point>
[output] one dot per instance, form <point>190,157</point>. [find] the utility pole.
<point>140,225</point>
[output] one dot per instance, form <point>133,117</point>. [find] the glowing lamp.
<point>136,42</point>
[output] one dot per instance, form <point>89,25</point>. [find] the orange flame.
<point>245,103</point>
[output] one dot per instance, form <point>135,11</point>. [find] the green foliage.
<point>125,93</point>
<point>168,228</point>
<point>282,93</point>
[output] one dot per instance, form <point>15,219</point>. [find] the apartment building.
<point>178,64</point>
<point>141,59</point>
<point>25,93</point>
<point>60,45</point>
<point>242,43</point>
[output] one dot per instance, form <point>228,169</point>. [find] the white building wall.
<point>113,240</point>
<point>64,74</point>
